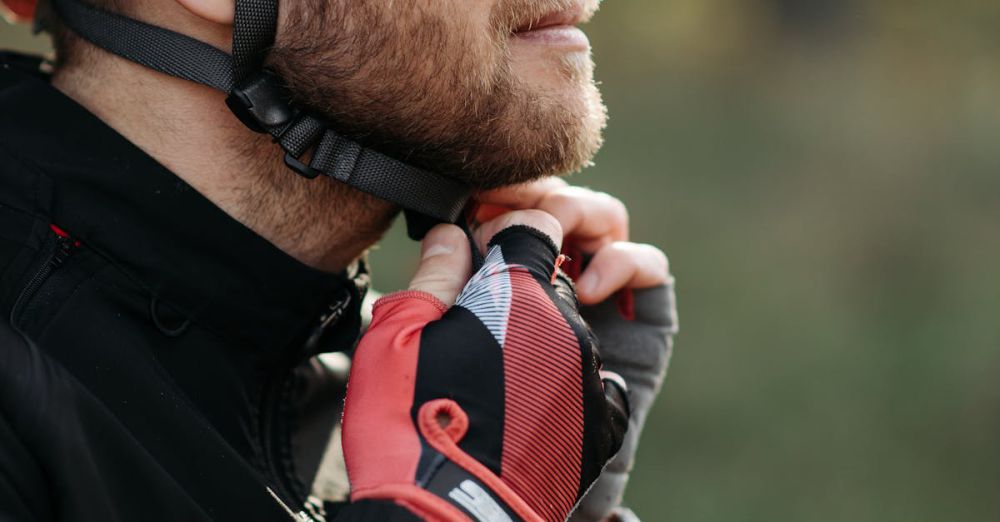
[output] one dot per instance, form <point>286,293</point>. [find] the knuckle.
<point>622,249</point>
<point>558,199</point>
<point>640,256</point>
<point>658,258</point>
<point>553,183</point>
<point>575,192</point>
<point>616,207</point>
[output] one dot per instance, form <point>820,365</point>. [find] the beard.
<point>415,81</point>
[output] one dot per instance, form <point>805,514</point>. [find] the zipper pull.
<point>61,254</point>
<point>335,312</point>
<point>64,245</point>
<point>327,320</point>
<point>57,254</point>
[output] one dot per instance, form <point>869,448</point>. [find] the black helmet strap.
<point>258,99</point>
<point>254,27</point>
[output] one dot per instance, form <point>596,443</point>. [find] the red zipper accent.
<point>62,233</point>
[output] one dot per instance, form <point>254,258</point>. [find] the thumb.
<point>445,264</point>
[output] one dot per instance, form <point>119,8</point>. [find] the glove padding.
<point>494,410</point>
<point>636,342</point>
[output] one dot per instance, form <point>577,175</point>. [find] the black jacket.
<point>156,356</point>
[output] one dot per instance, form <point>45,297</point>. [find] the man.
<point>168,280</point>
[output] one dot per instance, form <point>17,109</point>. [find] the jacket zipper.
<point>275,397</point>
<point>271,433</point>
<point>58,250</point>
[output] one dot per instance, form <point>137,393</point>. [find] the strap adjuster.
<point>301,168</point>
<point>261,103</point>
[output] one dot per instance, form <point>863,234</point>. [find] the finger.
<point>496,202</point>
<point>487,212</point>
<point>536,219</point>
<point>522,196</point>
<point>445,264</point>
<point>592,218</point>
<point>622,265</point>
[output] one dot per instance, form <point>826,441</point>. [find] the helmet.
<point>258,99</point>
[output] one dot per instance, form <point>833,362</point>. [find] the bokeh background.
<point>825,176</point>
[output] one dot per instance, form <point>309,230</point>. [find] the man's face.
<point>492,92</point>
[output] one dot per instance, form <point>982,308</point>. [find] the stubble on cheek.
<point>398,64</point>
<point>435,86</point>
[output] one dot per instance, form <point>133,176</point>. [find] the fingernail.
<point>588,283</point>
<point>438,249</point>
<point>439,242</point>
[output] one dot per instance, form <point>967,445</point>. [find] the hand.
<point>638,348</point>
<point>596,225</point>
<point>635,329</point>
<point>493,409</point>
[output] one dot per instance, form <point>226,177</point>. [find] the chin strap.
<point>259,100</point>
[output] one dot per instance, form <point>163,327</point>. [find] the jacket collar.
<point>190,256</point>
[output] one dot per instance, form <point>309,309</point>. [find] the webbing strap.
<point>254,27</point>
<point>153,47</point>
<point>375,173</point>
<point>430,195</point>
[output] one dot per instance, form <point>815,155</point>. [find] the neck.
<point>187,128</point>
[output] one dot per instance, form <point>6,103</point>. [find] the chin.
<point>559,134</point>
<point>585,137</point>
<point>562,138</point>
<point>576,118</point>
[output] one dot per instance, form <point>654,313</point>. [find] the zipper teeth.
<point>275,399</point>
<point>59,252</point>
<point>275,394</point>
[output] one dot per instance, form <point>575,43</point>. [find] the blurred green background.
<point>825,176</point>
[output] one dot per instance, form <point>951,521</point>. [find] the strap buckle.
<point>261,103</point>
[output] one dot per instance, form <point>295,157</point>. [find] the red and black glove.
<point>493,410</point>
